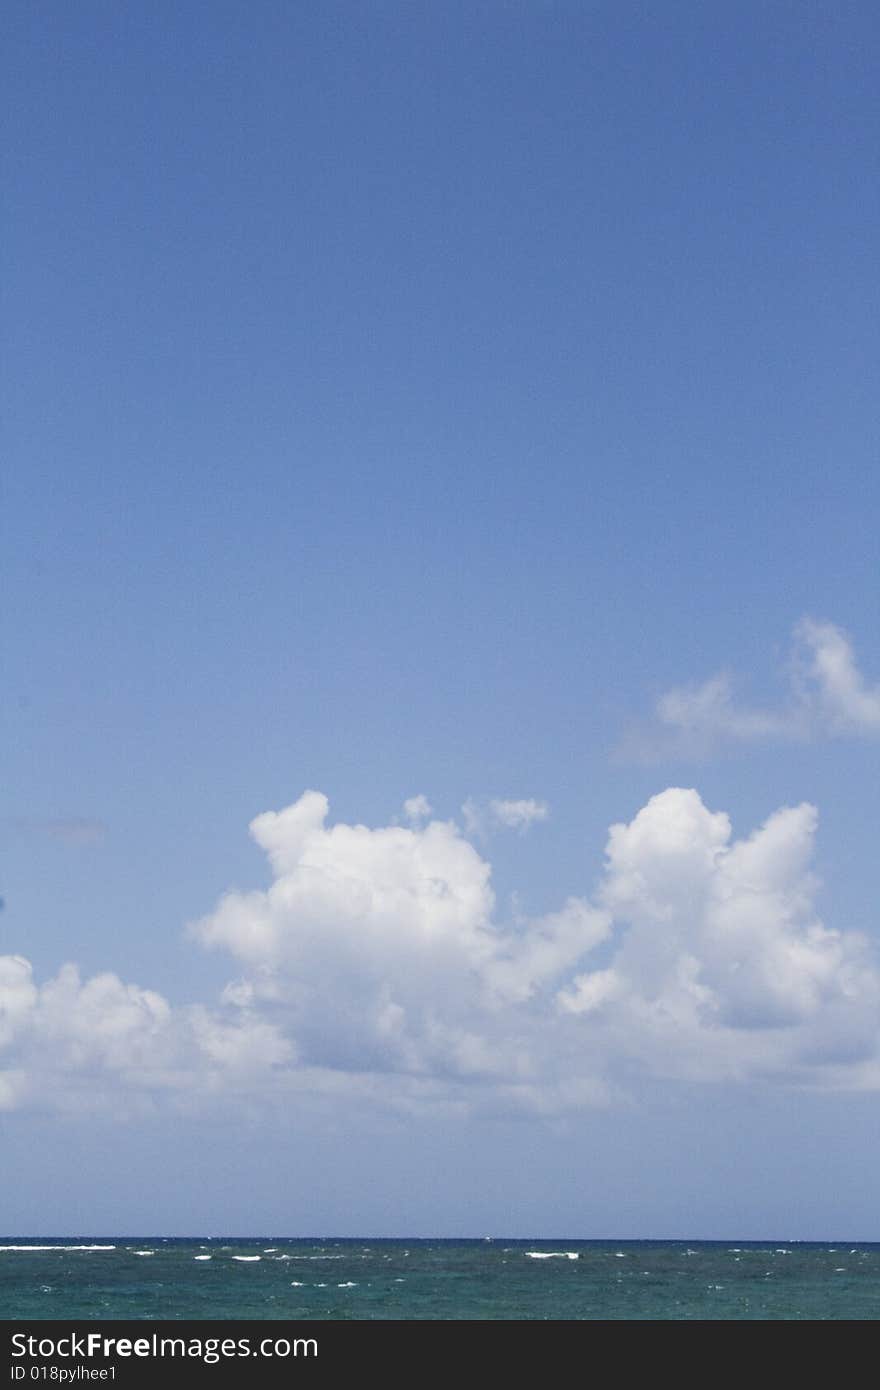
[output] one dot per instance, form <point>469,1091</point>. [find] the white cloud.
<point>480,818</point>
<point>374,966</point>
<point>545,949</point>
<point>79,1044</point>
<point>836,689</point>
<point>474,818</point>
<point>706,713</point>
<point>417,808</point>
<point>379,948</point>
<point>827,697</point>
<point>373,942</point>
<point>519,815</point>
<point>591,991</point>
<point>737,917</point>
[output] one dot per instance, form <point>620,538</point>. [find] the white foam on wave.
<point>296,1283</point>
<point>247,1259</point>
<point>57,1247</point>
<point>143,1252</point>
<point>269,1249</point>
<point>201,1257</point>
<point>552,1255</point>
<point>350,1284</point>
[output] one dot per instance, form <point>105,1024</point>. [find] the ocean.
<point>274,1278</point>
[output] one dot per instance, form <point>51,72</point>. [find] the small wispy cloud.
<point>827,696</point>
<point>78,831</point>
<point>841,698</point>
<point>481,817</point>
<point>519,815</point>
<point>417,808</point>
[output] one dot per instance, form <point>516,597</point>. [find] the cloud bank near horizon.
<point>374,966</point>
<point>827,697</point>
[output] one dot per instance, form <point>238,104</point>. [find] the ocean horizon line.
<point>312,1238</point>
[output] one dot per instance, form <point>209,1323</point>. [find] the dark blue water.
<point>269,1278</point>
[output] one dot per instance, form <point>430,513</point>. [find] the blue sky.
<point>473,401</point>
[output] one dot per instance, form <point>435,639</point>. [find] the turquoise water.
<point>270,1278</point>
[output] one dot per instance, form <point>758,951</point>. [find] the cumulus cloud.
<point>381,950</point>
<point>76,1043</point>
<point>373,942</point>
<point>375,965</point>
<point>827,696</point>
<point>732,923</point>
